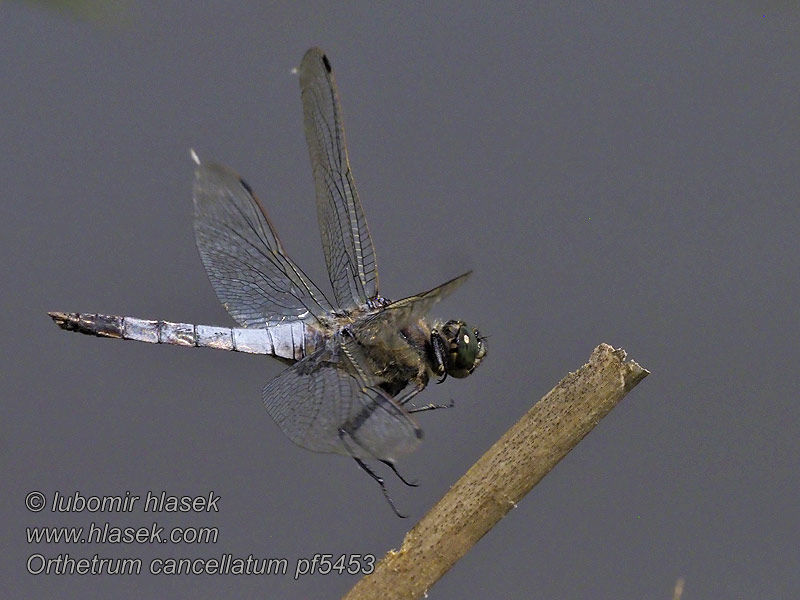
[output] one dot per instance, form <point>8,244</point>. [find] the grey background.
<point>625,175</point>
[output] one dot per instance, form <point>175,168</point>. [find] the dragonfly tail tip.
<point>59,317</point>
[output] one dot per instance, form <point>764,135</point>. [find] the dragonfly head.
<point>466,348</point>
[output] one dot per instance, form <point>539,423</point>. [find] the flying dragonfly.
<point>356,364</point>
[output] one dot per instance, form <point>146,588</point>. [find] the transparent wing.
<point>397,314</point>
<point>245,261</point>
<point>349,254</point>
<point>321,403</point>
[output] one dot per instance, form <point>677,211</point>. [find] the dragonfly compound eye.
<point>466,348</point>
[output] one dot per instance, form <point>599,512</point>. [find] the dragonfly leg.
<point>450,404</point>
<point>440,355</point>
<point>407,393</point>
<point>378,479</point>
<point>380,482</point>
<point>390,464</point>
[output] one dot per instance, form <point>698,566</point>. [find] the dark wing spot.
<point>326,63</point>
<point>246,186</point>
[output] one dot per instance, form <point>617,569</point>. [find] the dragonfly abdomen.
<point>284,340</point>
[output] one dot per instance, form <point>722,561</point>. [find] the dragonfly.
<point>356,363</point>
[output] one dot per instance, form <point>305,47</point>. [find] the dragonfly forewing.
<point>349,254</point>
<point>399,314</point>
